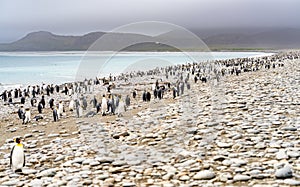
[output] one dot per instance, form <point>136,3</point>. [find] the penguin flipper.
<point>24,161</point>
<point>10,158</point>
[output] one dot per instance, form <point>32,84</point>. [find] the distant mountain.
<point>46,41</point>
<point>215,39</point>
<point>275,39</point>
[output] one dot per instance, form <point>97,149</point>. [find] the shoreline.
<point>165,142</point>
<point>5,86</point>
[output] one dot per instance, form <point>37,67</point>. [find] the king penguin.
<point>17,156</point>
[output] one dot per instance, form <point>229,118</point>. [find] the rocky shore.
<point>241,131</point>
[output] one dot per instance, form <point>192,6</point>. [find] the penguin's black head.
<point>18,140</point>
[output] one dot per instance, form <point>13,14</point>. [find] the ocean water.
<point>22,69</point>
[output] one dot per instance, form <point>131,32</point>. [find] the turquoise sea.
<point>24,68</point>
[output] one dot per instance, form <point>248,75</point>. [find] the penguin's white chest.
<point>17,157</point>
<point>104,104</point>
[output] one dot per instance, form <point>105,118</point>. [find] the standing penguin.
<point>43,102</point>
<point>98,107</point>
<point>51,102</point>
<point>22,100</point>
<point>148,96</point>
<point>55,114</point>
<point>94,101</point>
<point>71,105</point>
<point>104,105</point>
<point>144,96</point>
<point>84,103</point>
<point>27,116</point>
<point>174,92</point>
<point>77,107</point>
<point>21,113</point>
<point>121,108</point>
<point>40,107</point>
<point>60,109</point>
<point>134,94</point>
<point>127,100</point>
<point>17,156</point>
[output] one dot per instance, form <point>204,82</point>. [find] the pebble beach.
<point>240,131</point>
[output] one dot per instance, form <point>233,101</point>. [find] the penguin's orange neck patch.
<point>19,145</point>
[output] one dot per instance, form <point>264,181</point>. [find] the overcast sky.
<point>19,17</point>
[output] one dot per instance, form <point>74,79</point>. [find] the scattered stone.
<point>118,135</point>
<point>104,159</point>
<point>224,145</point>
<point>184,178</point>
<point>289,128</point>
<point>293,154</point>
<point>53,135</point>
<point>28,135</point>
<point>103,177</point>
<point>27,171</point>
<point>291,182</point>
<point>78,160</point>
<point>59,158</point>
<point>128,184</point>
<point>13,182</point>
<point>240,177</point>
<point>205,174</point>
<point>281,154</point>
<point>285,172</point>
<point>47,173</point>
<point>36,182</point>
